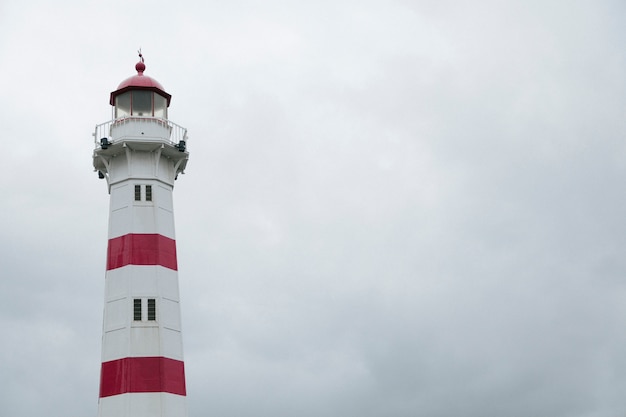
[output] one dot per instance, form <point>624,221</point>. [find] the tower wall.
<point>142,373</point>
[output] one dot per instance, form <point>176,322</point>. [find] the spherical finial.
<point>140,66</point>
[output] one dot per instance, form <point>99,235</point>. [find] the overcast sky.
<point>392,208</point>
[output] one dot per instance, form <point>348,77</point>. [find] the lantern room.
<point>140,96</point>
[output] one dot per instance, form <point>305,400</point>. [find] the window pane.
<point>137,192</point>
<point>148,193</point>
<point>137,309</point>
<point>142,103</point>
<point>160,106</point>
<point>151,309</point>
<point>122,105</point>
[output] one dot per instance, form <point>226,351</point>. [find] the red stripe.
<point>141,249</point>
<point>151,374</point>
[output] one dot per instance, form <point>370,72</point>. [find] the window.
<point>151,309</point>
<point>160,106</point>
<point>142,103</point>
<point>137,309</point>
<point>122,105</point>
<point>141,194</point>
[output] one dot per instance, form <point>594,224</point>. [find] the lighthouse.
<point>140,153</point>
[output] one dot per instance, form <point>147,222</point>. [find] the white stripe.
<point>143,405</point>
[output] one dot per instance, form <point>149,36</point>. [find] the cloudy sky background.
<point>392,208</point>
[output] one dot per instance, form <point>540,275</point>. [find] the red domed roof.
<point>140,82</point>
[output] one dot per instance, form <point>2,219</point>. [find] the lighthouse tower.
<point>140,153</point>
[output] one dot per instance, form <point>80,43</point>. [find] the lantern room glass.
<point>122,105</point>
<point>140,103</point>
<point>160,106</point>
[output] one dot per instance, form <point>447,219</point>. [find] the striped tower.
<point>140,153</point>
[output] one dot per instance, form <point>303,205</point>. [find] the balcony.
<point>119,139</point>
<point>140,129</point>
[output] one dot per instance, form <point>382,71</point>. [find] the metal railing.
<point>176,133</point>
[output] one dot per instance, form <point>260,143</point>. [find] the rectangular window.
<point>142,103</point>
<point>151,309</point>
<point>122,105</point>
<point>148,193</point>
<point>137,309</point>
<point>160,106</point>
<point>137,192</point>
